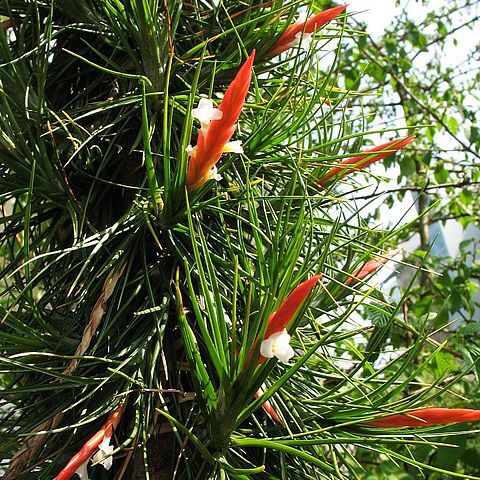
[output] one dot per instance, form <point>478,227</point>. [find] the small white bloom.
<point>104,450</point>
<point>277,345</point>
<point>213,174</point>
<point>303,39</point>
<point>191,150</point>
<point>233,147</point>
<point>206,112</point>
<point>82,471</point>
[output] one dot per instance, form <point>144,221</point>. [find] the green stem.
<point>152,178</point>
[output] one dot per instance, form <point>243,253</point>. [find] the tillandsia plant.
<point>178,250</point>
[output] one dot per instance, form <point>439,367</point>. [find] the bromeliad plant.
<point>217,127</point>
<point>167,291</point>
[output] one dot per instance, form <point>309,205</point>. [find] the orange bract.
<point>285,312</point>
<point>92,444</point>
<point>371,266</point>
<point>426,417</point>
<point>289,36</point>
<point>365,159</point>
<point>281,318</point>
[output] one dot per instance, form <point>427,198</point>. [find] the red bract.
<point>213,139</point>
<point>292,35</point>
<point>267,406</point>
<point>371,267</point>
<point>89,448</point>
<point>279,320</point>
<point>368,157</point>
<point>426,417</point>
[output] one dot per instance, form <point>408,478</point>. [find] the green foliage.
<point>119,285</point>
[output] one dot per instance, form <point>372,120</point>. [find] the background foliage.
<point>426,63</point>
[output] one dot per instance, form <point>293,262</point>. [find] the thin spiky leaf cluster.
<point>123,286</point>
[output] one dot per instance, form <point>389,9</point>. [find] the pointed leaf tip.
<point>320,19</point>
<point>365,158</point>
<point>288,38</point>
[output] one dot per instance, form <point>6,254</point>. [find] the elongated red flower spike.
<point>301,30</point>
<point>426,417</point>
<point>276,341</point>
<point>100,441</point>
<point>218,126</point>
<point>371,267</point>
<point>281,317</point>
<point>365,159</point>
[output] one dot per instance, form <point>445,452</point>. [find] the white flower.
<point>233,147</point>
<point>213,174</point>
<point>104,450</point>
<point>82,471</point>
<point>277,345</point>
<point>191,150</point>
<point>205,112</point>
<point>303,39</point>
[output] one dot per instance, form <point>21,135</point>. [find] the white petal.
<point>82,471</point>
<point>191,150</point>
<point>281,338</point>
<point>205,112</point>
<point>233,147</point>
<point>284,353</point>
<point>104,450</point>
<point>217,114</point>
<point>303,39</point>
<point>306,40</point>
<point>213,175</point>
<point>266,348</point>
<point>278,345</point>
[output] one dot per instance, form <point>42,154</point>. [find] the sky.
<point>368,11</point>
<point>379,13</point>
